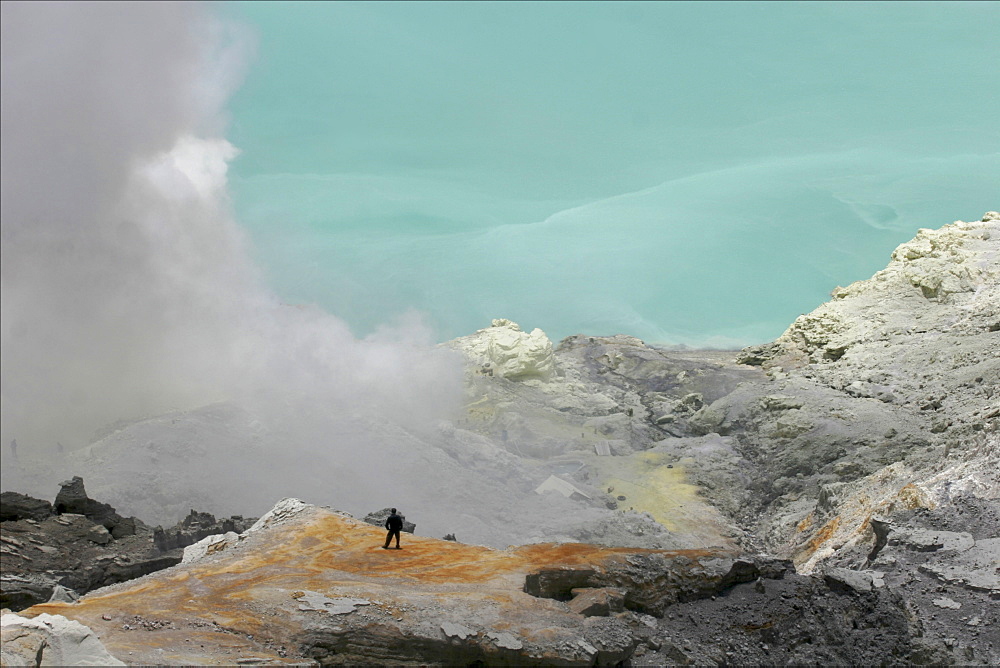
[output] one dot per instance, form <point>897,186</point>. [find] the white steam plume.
<point>126,285</point>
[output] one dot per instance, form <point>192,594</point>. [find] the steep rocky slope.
<point>896,395</point>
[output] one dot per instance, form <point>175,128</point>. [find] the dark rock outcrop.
<point>558,583</point>
<point>72,498</point>
<point>18,591</point>
<point>797,620</point>
<point>73,552</point>
<point>86,545</point>
<point>194,527</point>
<point>15,506</point>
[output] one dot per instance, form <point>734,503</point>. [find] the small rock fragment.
<point>945,602</point>
<point>456,630</point>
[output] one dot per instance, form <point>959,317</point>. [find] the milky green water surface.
<point>696,173</point>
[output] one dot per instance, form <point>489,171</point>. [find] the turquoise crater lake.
<point>696,173</point>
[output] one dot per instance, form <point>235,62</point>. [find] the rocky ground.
<point>59,551</point>
<point>309,585</point>
<point>861,446</point>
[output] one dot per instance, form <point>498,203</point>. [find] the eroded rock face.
<point>63,555</point>
<point>72,552</point>
<point>918,370</point>
<point>938,275</point>
<point>795,620</point>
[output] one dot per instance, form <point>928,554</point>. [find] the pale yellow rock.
<point>505,351</point>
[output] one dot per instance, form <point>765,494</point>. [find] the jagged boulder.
<point>845,579</point>
<point>48,556</point>
<point>70,551</point>
<point>72,498</point>
<point>559,583</point>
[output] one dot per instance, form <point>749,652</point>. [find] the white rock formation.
<point>282,510</point>
<point>504,350</point>
<point>920,339</point>
<point>209,545</point>
<point>51,640</point>
<point>941,279</point>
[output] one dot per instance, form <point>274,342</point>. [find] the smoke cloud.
<point>126,285</point>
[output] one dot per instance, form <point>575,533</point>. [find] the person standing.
<point>394,523</point>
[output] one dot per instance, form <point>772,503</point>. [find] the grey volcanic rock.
<point>920,331</point>
<point>797,620</point>
<point>196,526</point>
<point>15,506</point>
<point>843,579</point>
<point>18,591</point>
<point>72,498</point>
<point>62,556</point>
<point>597,602</point>
<point>73,552</point>
<point>558,583</point>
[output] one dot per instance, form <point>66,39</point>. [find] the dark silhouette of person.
<point>394,523</point>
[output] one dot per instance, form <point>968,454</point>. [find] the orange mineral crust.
<point>318,585</point>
